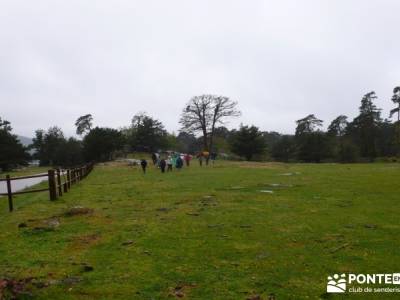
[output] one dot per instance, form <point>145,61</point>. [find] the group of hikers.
<point>176,160</point>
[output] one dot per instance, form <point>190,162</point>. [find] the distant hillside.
<point>24,140</point>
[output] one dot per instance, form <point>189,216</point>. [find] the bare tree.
<point>203,113</point>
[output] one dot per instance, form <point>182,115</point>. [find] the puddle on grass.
<point>289,174</point>
<point>237,188</point>
<point>279,185</point>
<point>267,191</point>
<point>267,188</point>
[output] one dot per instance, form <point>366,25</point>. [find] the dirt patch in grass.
<point>40,225</point>
<point>15,288</point>
<point>181,290</point>
<point>84,241</point>
<point>78,210</point>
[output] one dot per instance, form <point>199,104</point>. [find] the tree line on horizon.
<point>365,138</point>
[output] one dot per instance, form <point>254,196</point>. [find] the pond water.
<point>18,185</point>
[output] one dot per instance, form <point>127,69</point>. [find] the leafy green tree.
<point>146,133</point>
<point>46,145</point>
<point>187,142</point>
<point>171,141</point>
<point>5,125</point>
<point>12,152</point>
<point>69,153</point>
<point>284,149</point>
<point>271,138</point>
<point>336,131</point>
<point>308,124</point>
<point>52,148</point>
<point>396,100</point>
<point>247,142</point>
<point>338,126</point>
<point>38,145</point>
<point>365,127</point>
<point>100,144</point>
<point>313,147</point>
<point>386,141</point>
<point>221,144</point>
<point>348,152</point>
<point>312,144</point>
<point>396,134</point>
<point>84,124</point>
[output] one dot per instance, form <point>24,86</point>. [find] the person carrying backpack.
<point>179,163</point>
<point>162,165</point>
<point>143,163</point>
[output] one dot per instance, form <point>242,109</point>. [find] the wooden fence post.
<point>9,192</point>
<point>72,176</point>
<point>52,185</point>
<point>65,187</point>
<point>69,178</point>
<point>59,182</point>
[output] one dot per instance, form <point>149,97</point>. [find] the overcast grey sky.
<point>281,60</point>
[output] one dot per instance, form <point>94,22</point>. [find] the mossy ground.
<point>215,232</point>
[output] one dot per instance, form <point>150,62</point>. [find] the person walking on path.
<point>173,159</point>
<point>154,158</point>
<point>143,163</point>
<point>169,164</point>
<point>187,159</point>
<point>200,157</point>
<point>162,165</point>
<point>179,163</point>
<point>213,157</point>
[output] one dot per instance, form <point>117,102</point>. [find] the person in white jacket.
<point>169,164</point>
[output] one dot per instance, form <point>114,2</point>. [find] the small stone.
<point>179,294</point>
<point>53,223</point>
<point>163,209</point>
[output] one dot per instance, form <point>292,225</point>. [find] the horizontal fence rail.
<point>59,182</point>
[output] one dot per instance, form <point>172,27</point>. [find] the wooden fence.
<point>59,182</point>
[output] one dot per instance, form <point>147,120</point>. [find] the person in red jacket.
<point>187,158</point>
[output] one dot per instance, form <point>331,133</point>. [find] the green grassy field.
<point>232,231</point>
